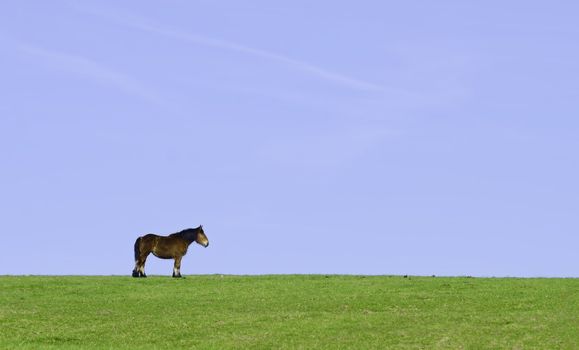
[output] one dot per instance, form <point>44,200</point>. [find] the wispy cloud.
<point>90,69</point>
<point>312,69</point>
<point>325,148</point>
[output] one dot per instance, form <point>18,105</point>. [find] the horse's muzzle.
<point>207,245</point>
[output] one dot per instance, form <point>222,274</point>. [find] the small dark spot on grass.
<point>57,340</point>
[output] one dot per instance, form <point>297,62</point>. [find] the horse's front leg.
<point>177,267</point>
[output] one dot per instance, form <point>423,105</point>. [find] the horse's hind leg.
<point>177,267</point>
<point>141,265</point>
<point>139,270</point>
<point>141,252</point>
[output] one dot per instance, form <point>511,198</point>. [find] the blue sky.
<point>368,137</point>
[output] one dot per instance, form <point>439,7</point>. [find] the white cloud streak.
<point>313,70</point>
<point>92,70</point>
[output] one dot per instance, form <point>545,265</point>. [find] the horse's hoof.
<point>135,274</point>
<point>176,276</point>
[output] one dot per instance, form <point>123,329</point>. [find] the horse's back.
<point>165,247</point>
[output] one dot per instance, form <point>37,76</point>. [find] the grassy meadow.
<point>288,312</point>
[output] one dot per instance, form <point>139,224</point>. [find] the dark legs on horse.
<point>177,267</point>
<point>139,270</point>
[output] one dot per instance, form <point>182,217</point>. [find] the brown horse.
<point>173,246</point>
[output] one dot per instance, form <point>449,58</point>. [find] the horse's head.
<point>201,238</point>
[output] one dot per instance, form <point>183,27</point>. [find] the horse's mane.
<point>188,229</point>
<point>189,234</point>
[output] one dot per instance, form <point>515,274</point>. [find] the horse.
<point>173,246</point>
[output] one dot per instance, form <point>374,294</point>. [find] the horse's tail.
<point>137,250</point>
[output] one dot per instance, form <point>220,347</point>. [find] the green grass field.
<point>288,311</point>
